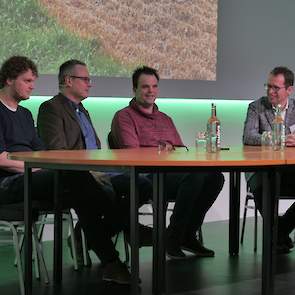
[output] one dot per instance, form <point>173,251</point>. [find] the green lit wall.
<point>189,115</point>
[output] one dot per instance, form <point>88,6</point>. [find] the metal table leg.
<point>134,230</point>
<point>162,235</point>
<point>270,212</point>
<point>155,232</point>
<point>57,260</point>
<point>234,213</point>
<point>159,222</point>
<point>28,229</point>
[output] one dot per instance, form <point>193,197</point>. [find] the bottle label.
<point>213,131</point>
<point>218,136</point>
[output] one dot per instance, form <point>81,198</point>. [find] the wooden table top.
<point>150,157</point>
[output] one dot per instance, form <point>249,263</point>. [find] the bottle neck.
<point>213,111</point>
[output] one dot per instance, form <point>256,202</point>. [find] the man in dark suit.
<point>80,191</point>
<point>260,116</point>
<point>64,123</point>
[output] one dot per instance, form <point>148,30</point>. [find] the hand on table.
<point>290,140</point>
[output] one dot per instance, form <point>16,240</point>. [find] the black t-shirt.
<point>17,132</point>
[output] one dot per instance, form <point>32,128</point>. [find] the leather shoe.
<point>283,249</point>
<point>194,246</point>
<point>173,249</point>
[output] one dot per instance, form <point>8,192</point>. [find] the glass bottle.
<point>213,132</point>
<point>278,130</point>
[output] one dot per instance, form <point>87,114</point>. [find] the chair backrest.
<point>111,142</point>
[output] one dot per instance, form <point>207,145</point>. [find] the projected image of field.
<point>178,37</point>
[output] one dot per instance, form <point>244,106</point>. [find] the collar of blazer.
<point>69,109</point>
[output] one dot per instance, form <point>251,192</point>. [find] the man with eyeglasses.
<point>260,116</point>
<point>64,123</point>
<point>141,124</point>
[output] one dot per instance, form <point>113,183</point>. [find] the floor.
<point>221,275</point>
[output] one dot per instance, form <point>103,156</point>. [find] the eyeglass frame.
<point>85,79</point>
<point>276,89</point>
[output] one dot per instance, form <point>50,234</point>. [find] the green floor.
<point>219,275</point>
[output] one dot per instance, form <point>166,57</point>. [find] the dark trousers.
<point>97,212</point>
<point>194,194</point>
<point>287,188</point>
<point>121,187</point>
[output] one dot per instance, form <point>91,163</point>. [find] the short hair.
<point>15,66</point>
<point>287,73</point>
<point>66,69</point>
<point>143,70</point>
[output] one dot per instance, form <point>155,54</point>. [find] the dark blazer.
<point>259,118</point>
<point>58,125</point>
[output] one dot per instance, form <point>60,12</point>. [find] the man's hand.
<point>290,140</point>
<point>165,146</point>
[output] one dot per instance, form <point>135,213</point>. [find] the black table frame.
<point>270,209</point>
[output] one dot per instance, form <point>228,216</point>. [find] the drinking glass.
<point>201,140</point>
<point>266,138</point>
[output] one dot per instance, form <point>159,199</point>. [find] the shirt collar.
<point>7,106</point>
<point>133,104</point>
<point>74,105</point>
<point>285,108</point>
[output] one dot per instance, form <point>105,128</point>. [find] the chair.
<point>45,218</point>
<point>112,145</point>
<point>250,197</point>
<point>11,220</point>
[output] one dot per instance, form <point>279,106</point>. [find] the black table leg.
<point>162,235</point>
<point>270,212</point>
<point>234,212</point>
<point>155,232</point>
<point>159,226</point>
<point>57,260</point>
<point>28,229</point>
<point>134,230</point>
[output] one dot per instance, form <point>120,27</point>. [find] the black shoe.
<point>289,243</point>
<point>194,246</point>
<point>283,249</point>
<point>145,236</point>
<point>173,249</point>
<point>284,239</point>
<point>116,272</point>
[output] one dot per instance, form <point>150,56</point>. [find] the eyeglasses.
<point>273,87</point>
<point>85,79</point>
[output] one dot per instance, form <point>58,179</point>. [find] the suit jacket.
<point>58,125</point>
<point>259,118</point>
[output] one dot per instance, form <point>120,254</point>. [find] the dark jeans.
<point>96,211</point>
<point>287,188</point>
<point>194,194</point>
<point>121,186</point>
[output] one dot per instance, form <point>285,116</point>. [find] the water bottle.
<point>213,132</point>
<point>278,130</point>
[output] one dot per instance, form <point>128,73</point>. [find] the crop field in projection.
<point>178,37</point>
